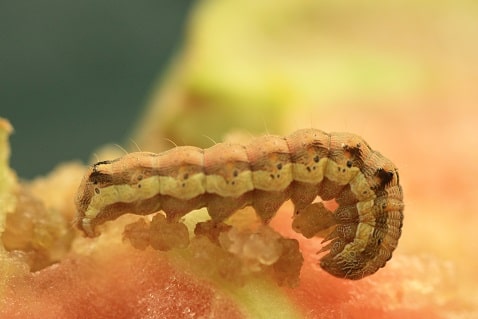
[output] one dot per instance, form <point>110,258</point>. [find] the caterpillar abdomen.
<point>263,174</point>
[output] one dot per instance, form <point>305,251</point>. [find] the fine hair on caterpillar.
<point>363,230</point>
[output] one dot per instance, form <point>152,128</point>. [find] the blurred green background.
<point>75,75</point>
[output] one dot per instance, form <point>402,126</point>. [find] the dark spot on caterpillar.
<point>384,176</point>
<point>97,191</point>
<point>139,185</point>
<point>355,152</point>
<point>232,183</point>
<point>140,177</point>
<point>279,166</point>
<point>308,169</point>
<point>349,163</point>
<point>272,176</point>
<point>183,184</point>
<point>235,173</point>
<point>186,176</point>
<point>100,178</point>
<point>278,175</point>
<point>316,158</point>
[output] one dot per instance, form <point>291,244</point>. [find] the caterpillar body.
<point>365,226</point>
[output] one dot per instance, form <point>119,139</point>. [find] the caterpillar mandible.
<point>263,174</point>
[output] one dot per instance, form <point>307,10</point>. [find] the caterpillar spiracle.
<point>366,224</point>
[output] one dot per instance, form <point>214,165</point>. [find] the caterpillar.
<point>365,226</point>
